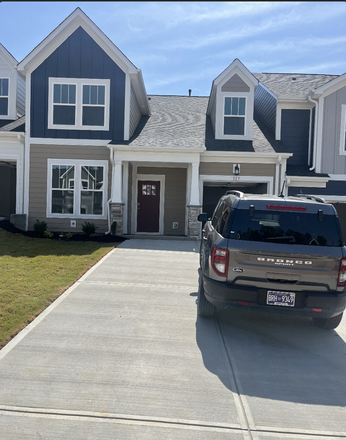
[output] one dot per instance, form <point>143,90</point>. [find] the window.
<point>285,228</point>
<point>234,116</point>
<point>149,190</point>
<point>81,104</point>
<point>4,96</point>
<point>77,189</point>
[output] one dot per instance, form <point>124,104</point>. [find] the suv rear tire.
<point>328,323</point>
<point>204,307</point>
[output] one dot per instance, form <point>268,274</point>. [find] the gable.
<point>235,84</point>
<point>79,56</point>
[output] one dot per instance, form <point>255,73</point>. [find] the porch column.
<point>116,204</point>
<point>194,208</point>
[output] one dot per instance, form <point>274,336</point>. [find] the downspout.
<point>109,201</point>
<point>315,134</point>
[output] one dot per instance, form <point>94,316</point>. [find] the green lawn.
<point>34,272</point>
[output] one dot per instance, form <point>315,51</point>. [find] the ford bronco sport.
<point>283,254</point>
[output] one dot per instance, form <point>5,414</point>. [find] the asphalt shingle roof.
<point>182,122</point>
<point>283,84</point>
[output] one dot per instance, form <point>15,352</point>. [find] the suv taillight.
<point>219,261</point>
<point>342,273</point>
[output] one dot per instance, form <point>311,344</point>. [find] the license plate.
<point>281,298</point>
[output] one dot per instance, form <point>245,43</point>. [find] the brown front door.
<point>148,206</point>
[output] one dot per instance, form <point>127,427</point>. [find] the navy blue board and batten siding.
<point>295,135</point>
<point>79,56</point>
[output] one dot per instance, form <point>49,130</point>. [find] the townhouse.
<point>80,139</point>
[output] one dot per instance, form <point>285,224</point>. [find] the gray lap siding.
<point>39,155</point>
<point>175,197</point>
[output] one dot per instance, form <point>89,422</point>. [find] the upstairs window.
<point>79,104</point>
<point>64,104</point>
<point>234,116</point>
<point>4,96</point>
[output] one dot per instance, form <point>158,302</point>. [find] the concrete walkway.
<point>122,355</point>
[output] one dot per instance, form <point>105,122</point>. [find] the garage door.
<point>213,191</point>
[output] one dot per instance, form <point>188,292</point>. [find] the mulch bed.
<point>99,238</point>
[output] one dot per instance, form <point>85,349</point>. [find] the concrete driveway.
<point>122,355</point>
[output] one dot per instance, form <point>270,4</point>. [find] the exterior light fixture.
<point>236,169</point>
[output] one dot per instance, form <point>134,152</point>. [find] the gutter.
<point>314,147</point>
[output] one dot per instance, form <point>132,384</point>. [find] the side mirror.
<point>203,217</point>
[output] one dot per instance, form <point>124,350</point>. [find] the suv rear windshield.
<point>285,227</point>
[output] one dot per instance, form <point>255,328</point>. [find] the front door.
<point>148,206</point>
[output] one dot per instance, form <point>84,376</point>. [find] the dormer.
<point>82,86</point>
<point>12,87</point>
<point>231,103</point>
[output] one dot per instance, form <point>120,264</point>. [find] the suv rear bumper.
<point>224,295</point>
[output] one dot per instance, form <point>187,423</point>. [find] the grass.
<point>34,272</point>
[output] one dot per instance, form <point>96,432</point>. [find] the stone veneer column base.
<point>117,214</point>
<point>193,225</point>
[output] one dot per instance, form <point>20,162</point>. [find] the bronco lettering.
<point>281,261</point>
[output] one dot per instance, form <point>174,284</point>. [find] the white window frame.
<point>77,188</point>
<point>79,83</point>
<point>8,96</point>
<point>220,115</point>
<point>343,130</point>
<point>233,116</point>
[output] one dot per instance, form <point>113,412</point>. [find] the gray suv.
<point>283,254</point>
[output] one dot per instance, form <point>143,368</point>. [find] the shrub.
<point>89,228</point>
<point>48,234</point>
<point>69,235</point>
<point>40,227</point>
<point>114,228</point>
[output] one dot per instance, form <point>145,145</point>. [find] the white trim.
<point>235,67</point>
<point>77,19</point>
<point>9,155</point>
<point>188,195</point>
<point>8,96</point>
<point>161,179</point>
<point>307,181</point>
<point>243,179</point>
<point>77,163</point>
<point>125,194</point>
<point>332,86</point>
<point>319,139</point>
<point>337,176</point>
<point>134,151</point>
<point>124,155</point>
<point>232,156</point>
<point>220,114</point>
<point>27,151</point>
<point>284,105</point>
<point>80,142</point>
<point>127,106</point>
<point>79,83</point>
<point>342,150</point>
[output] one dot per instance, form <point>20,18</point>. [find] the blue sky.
<point>185,45</point>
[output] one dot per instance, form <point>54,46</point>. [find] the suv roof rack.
<point>311,197</point>
<point>235,193</point>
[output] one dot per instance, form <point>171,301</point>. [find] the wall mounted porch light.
<point>236,169</point>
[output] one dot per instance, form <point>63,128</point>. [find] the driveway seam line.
<point>119,417</point>
<point>242,409</point>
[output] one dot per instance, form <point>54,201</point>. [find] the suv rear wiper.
<point>289,238</point>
